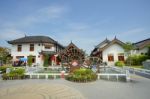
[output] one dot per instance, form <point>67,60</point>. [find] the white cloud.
<point>10,34</point>
<point>46,14</point>
<point>52,11</point>
<point>10,30</point>
<point>133,31</point>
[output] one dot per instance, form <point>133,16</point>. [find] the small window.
<point>18,57</point>
<point>47,47</point>
<point>110,58</point>
<point>31,47</point>
<point>121,57</point>
<point>19,48</point>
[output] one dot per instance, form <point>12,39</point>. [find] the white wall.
<point>139,52</point>
<point>26,51</point>
<point>144,50</point>
<point>114,49</point>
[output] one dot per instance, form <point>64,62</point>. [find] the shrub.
<point>137,59</point>
<point>82,75</point>
<point>3,68</point>
<point>14,74</point>
<point>119,63</point>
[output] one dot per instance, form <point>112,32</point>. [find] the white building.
<point>110,51</point>
<point>37,46</point>
<point>141,47</point>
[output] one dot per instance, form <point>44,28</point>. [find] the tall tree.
<point>128,47</point>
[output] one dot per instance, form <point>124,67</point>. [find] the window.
<point>48,47</point>
<point>31,47</point>
<point>19,48</point>
<point>18,57</point>
<point>110,58</point>
<point>120,57</point>
<point>33,60</point>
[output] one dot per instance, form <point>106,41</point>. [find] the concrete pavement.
<point>138,88</point>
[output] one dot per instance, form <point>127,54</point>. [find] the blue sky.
<point>85,22</point>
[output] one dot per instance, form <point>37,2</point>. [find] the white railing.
<point>32,71</point>
<point>36,69</point>
<point>54,75</point>
<point>108,75</point>
<point>145,71</point>
<point>123,72</point>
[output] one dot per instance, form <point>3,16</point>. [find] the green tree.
<point>46,60</point>
<point>4,54</point>
<point>30,60</point>
<point>128,47</point>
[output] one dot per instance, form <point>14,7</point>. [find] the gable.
<point>115,41</point>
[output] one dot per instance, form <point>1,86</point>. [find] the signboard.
<point>74,63</point>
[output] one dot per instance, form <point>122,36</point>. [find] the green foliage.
<point>82,75</point>
<point>30,60</point>
<point>4,54</point>
<point>128,46</point>
<point>19,71</point>
<point>119,63</point>
<point>3,68</point>
<point>14,74</point>
<point>137,66</point>
<point>137,59</point>
<point>46,60</point>
<point>59,59</point>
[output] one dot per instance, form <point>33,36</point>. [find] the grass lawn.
<point>136,66</point>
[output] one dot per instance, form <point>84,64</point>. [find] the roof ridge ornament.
<point>115,37</point>
<point>25,35</point>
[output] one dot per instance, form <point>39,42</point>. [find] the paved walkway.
<point>139,88</point>
<point>33,89</point>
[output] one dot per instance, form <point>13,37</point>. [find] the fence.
<point>108,76</point>
<point>46,75</point>
<point>145,71</point>
<point>32,74</point>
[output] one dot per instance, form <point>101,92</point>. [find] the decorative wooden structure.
<point>71,53</point>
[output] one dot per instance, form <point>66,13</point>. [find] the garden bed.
<point>82,75</point>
